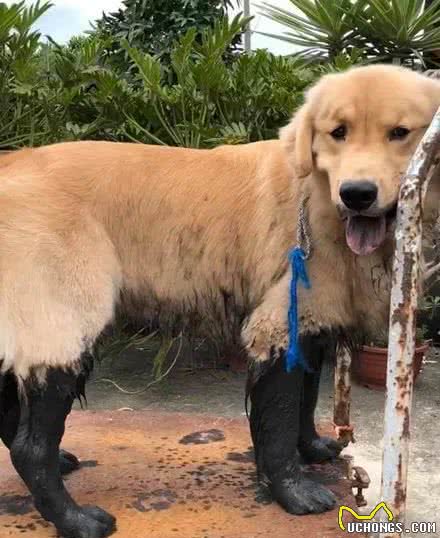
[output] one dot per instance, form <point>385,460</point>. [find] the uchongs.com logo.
<point>365,523</point>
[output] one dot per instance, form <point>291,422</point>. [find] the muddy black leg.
<point>35,455</point>
<point>9,408</point>
<point>275,423</point>
<point>312,447</point>
<point>10,416</point>
<point>68,462</point>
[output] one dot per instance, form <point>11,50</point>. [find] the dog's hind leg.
<point>44,407</point>
<point>9,408</point>
<point>10,416</point>
<point>313,448</point>
<point>275,427</point>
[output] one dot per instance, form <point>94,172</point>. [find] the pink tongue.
<point>365,234</point>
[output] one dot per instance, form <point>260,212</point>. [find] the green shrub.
<point>21,117</point>
<point>213,101</point>
<point>50,92</point>
<point>154,27</point>
<point>199,97</point>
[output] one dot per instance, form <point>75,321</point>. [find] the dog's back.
<point>174,230</point>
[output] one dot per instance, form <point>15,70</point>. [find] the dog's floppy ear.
<point>298,138</point>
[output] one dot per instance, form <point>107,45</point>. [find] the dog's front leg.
<point>275,426</point>
<point>35,455</point>
<point>316,349</point>
<point>281,418</point>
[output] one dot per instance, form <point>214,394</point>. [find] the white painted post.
<point>404,294</point>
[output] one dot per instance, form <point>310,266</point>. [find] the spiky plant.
<point>401,31</point>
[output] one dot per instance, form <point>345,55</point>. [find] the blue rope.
<point>294,356</point>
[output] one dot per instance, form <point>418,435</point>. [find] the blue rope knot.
<point>294,356</point>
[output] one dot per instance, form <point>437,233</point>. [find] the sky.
<point>70,17</point>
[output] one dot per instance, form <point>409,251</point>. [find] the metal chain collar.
<point>303,235</point>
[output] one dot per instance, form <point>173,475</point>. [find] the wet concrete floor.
<point>168,475</point>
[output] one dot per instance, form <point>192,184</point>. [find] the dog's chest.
<point>346,291</point>
<point>371,285</point>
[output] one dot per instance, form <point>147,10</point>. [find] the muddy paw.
<point>87,522</point>
<point>320,449</point>
<point>299,495</point>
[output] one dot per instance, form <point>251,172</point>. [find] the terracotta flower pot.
<point>370,365</point>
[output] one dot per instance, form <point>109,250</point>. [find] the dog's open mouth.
<point>364,234</point>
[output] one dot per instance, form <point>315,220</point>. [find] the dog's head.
<point>360,129</point>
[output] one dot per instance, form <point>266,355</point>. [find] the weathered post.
<point>404,295</point>
<point>341,415</point>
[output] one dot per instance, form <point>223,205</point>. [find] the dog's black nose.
<point>358,195</point>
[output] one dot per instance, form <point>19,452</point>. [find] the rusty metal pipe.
<point>404,295</point>
<point>341,414</point>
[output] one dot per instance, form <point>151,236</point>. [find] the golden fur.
<point>202,233</point>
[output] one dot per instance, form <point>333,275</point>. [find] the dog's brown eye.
<point>398,133</point>
<point>339,133</point>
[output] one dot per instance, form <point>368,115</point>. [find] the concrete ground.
<point>222,393</point>
<point>168,475</point>
<point>424,470</point>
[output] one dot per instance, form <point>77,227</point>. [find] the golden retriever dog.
<point>90,227</point>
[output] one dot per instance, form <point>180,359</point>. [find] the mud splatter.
<point>158,500</point>
<point>203,438</point>
<point>16,505</point>
<point>161,505</point>
<point>241,457</point>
